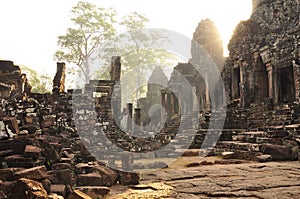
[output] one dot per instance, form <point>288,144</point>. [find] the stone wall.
<point>12,82</point>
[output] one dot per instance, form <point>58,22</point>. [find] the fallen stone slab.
<point>95,191</point>
<point>228,155</point>
<point>79,195</point>
<point>264,158</point>
<point>19,161</point>
<point>127,178</point>
<point>35,173</point>
<point>109,176</point>
<point>32,151</point>
<point>54,196</point>
<point>278,152</point>
<point>60,176</point>
<point>12,124</point>
<point>58,189</point>
<point>7,173</point>
<point>27,189</point>
<point>90,179</point>
<point>61,166</point>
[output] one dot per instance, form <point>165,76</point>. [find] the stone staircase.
<point>260,132</point>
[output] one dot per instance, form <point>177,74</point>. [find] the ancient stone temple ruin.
<point>264,55</point>
<point>40,145</point>
<point>79,142</point>
<point>261,80</point>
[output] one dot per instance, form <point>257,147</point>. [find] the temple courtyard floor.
<point>213,177</point>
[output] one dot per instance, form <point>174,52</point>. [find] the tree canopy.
<point>92,25</point>
<point>94,37</point>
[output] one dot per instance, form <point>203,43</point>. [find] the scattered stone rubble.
<point>41,153</point>
<point>50,144</point>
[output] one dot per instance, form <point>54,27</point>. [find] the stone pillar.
<point>129,117</point>
<point>207,96</point>
<point>115,70</point>
<point>137,119</point>
<point>175,100</point>
<point>116,102</point>
<point>195,99</point>
<point>59,78</point>
<point>273,83</point>
<point>163,103</point>
<point>242,86</point>
<point>115,74</point>
<point>270,80</point>
<point>296,80</point>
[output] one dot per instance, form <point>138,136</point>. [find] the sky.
<point>29,29</point>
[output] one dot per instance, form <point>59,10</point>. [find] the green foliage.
<point>93,38</point>
<point>41,83</point>
<point>139,58</point>
<point>92,25</point>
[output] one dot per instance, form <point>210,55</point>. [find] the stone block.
<point>109,176</point>
<point>127,178</point>
<point>35,173</point>
<point>227,155</point>
<point>58,189</point>
<point>60,176</point>
<point>95,191</point>
<point>19,161</point>
<point>27,189</point>
<point>12,124</point>
<point>32,151</point>
<point>278,152</point>
<point>90,179</point>
<point>7,173</point>
<point>54,196</point>
<point>79,195</point>
<point>264,158</point>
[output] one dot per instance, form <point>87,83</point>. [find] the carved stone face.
<point>274,14</point>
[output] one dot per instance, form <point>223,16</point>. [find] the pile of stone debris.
<point>42,156</point>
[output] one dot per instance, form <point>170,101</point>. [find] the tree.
<point>41,83</point>
<point>139,57</point>
<point>92,25</point>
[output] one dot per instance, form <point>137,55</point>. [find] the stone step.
<point>236,145</point>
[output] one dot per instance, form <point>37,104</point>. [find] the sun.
<point>227,16</point>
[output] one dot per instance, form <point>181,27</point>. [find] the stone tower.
<point>208,36</point>
<point>264,55</point>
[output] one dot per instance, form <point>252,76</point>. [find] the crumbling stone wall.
<point>40,144</point>
<point>12,82</point>
<point>262,52</point>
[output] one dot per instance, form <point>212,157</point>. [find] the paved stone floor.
<point>238,180</point>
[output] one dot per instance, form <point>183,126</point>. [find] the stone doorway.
<point>286,85</point>
<point>262,83</point>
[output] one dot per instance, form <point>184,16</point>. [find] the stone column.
<point>137,119</point>
<point>242,85</point>
<point>168,103</point>
<point>163,104</point>
<point>273,83</point>
<point>115,74</point>
<point>270,81</point>
<point>296,80</point>
<point>129,117</point>
<point>59,80</point>
<point>175,100</point>
<point>115,70</point>
<point>207,96</point>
